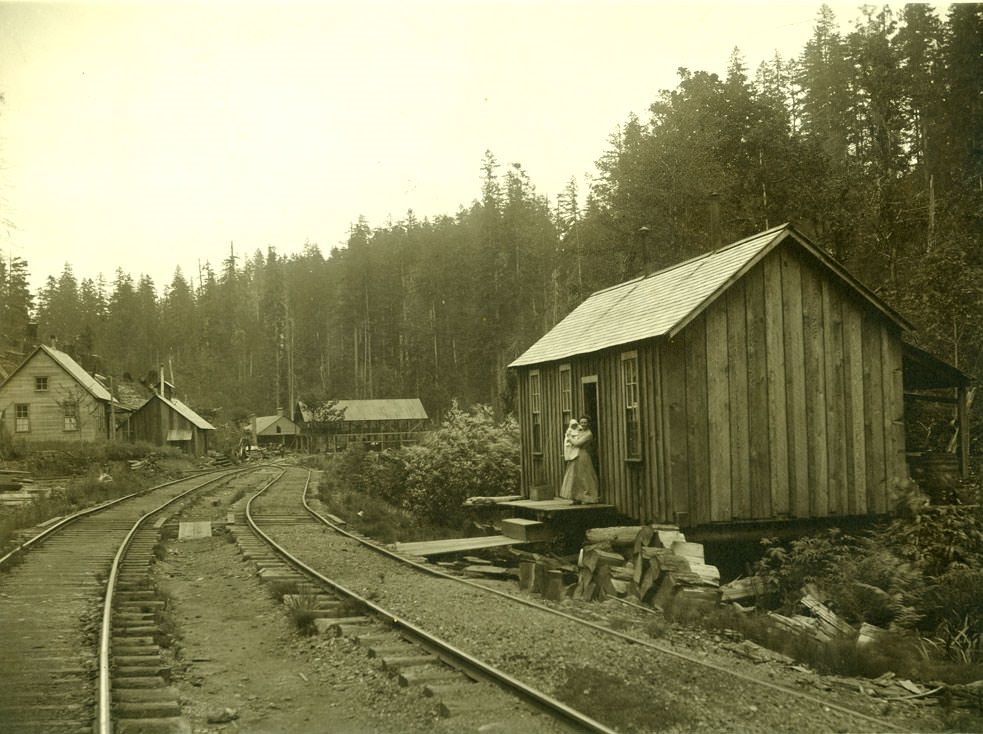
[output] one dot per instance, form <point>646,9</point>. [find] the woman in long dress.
<point>579,477</point>
<point>570,453</point>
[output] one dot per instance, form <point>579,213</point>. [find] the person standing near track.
<point>579,478</point>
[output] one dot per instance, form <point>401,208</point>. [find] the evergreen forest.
<point>870,142</point>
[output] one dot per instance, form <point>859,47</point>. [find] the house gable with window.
<point>757,382</point>
<point>50,397</point>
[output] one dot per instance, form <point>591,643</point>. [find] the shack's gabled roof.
<point>266,423</point>
<point>663,303</point>
<point>183,410</point>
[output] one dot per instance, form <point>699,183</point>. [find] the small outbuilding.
<point>758,382</point>
<point>163,420</point>
<point>276,430</point>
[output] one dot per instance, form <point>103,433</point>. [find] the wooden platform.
<point>557,505</point>
<point>429,548</point>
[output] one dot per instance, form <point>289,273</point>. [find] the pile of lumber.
<point>652,564</point>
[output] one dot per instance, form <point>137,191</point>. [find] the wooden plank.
<point>718,413</point>
<point>737,385</point>
<point>815,380</point>
<point>664,504</point>
<point>697,449</point>
<point>778,464</point>
<point>793,325</point>
<point>895,465</point>
<point>836,426</point>
<point>651,435</point>
<point>855,443</point>
<point>757,366</point>
<point>453,545</point>
<point>873,413</point>
<point>674,377</point>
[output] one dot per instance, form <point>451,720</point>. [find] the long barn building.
<point>757,382</point>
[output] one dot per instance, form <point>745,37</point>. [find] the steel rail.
<point>445,649</point>
<point>426,568</point>
<point>104,707</point>
<point>68,519</point>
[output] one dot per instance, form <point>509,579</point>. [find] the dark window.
<point>629,383</point>
<point>536,409</point>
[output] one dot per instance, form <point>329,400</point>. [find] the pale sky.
<point>148,136</point>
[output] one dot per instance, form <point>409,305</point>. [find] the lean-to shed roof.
<point>183,410</point>
<point>663,303</point>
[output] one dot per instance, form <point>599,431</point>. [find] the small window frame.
<point>536,411</point>
<point>631,405</point>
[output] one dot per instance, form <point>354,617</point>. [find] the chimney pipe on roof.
<point>716,238</point>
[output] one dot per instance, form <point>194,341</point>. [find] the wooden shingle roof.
<point>663,303</point>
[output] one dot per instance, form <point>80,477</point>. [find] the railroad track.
<point>423,624</point>
<point>78,635</point>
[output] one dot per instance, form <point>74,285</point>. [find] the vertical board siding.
<point>758,388</point>
<point>718,413</point>
<point>674,380</point>
<point>740,464</point>
<point>856,445</point>
<point>836,427</point>
<point>812,323</point>
<point>873,413</point>
<point>697,443</point>
<point>778,429</point>
<point>649,402</point>
<point>795,380</point>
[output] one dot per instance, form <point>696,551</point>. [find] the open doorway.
<point>588,407</point>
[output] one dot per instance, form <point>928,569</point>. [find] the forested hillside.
<point>870,142</point>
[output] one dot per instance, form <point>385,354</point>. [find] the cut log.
<point>744,588</point>
<point>831,624</point>
<point>614,535</point>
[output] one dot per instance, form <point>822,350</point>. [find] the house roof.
<point>183,410</point>
<point>266,422</point>
<point>73,368</point>
<point>663,303</point>
<point>382,410</point>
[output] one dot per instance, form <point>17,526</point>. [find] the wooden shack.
<point>756,382</point>
<point>163,420</point>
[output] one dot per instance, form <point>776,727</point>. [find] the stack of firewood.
<point>652,564</point>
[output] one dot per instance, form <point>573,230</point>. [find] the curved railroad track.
<point>489,633</point>
<point>78,635</point>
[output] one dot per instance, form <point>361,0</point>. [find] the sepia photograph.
<point>492,366</point>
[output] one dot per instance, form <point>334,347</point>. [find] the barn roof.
<point>382,409</point>
<point>663,303</point>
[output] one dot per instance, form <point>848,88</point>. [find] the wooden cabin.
<point>758,382</point>
<point>50,397</point>
<point>163,420</point>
